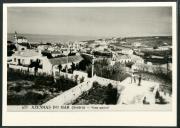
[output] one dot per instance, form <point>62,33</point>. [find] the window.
<point>22,61</point>
<point>14,59</point>
<point>19,62</point>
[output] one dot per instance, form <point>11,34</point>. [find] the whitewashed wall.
<point>70,95</point>
<point>104,82</point>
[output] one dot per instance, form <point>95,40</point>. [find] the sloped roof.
<point>25,44</point>
<point>135,57</point>
<point>26,53</point>
<point>21,37</point>
<point>132,57</point>
<point>123,57</point>
<point>56,52</point>
<point>63,60</point>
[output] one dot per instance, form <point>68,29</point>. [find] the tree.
<point>129,64</point>
<point>147,54</point>
<point>76,77</point>
<point>157,95</point>
<point>155,47</point>
<point>48,54</point>
<point>59,67</point>
<point>111,95</point>
<point>73,66</point>
<point>9,52</point>
<point>166,58</point>
<point>10,49</point>
<point>82,79</point>
<point>83,64</point>
<point>36,66</point>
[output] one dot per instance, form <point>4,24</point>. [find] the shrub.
<point>98,95</point>
<point>95,84</point>
<point>82,80</point>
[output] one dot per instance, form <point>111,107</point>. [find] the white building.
<point>74,45</point>
<point>65,62</point>
<point>136,44</point>
<point>22,39</point>
<point>164,48</point>
<point>56,53</point>
<point>42,47</point>
<point>65,51</point>
<point>51,48</point>
<point>101,48</point>
<point>22,59</point>
<point>125,51</point>
<point>151,68</point>
<point>123,42</point>
<point>128,58</point>
<point>123,59</point>
<point>19,39</point>
<point>136,59</point>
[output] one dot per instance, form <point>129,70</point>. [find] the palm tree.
<point>73,66</point>
<point>59,67</point>
<point>166,57</point>
<point>36,66</point>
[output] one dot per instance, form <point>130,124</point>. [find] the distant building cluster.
<point>50,55</point>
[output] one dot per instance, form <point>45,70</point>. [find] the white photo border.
<point>125,118</point>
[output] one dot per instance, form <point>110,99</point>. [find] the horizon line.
<point>92,35</point>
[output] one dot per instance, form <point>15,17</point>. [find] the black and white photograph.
<point>90,58</point>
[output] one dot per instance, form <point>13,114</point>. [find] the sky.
<point>91,21</point>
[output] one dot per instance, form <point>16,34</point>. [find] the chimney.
<point>39,51</point>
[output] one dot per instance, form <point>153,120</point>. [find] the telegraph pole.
<point>67,64</point>
<point>92,67</point>
<point>167,60</point>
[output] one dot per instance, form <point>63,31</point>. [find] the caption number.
<point>24,107</point>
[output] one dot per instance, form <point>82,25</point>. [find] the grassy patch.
<point>98,95</point>
<point>26,89</point>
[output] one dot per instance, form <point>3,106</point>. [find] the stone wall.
<point>77,75</point>
<point>104,82</point>
<point>70,95</point>
<point>25,69</point>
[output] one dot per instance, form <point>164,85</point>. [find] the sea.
<point>35,38</point>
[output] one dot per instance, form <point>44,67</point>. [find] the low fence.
<point>148,68</point>
<point>57,74</point>
<point>25,69</point>
<point>70,95</point>
<point>22,68</point>
<point>75,76</point>
<point>104,82</point>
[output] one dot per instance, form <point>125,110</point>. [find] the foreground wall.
<point>70,95</point>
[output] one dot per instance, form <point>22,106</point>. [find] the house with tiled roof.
<point>56,53</point>
<point>124,50</point>
<point>123,58</point>
<point>20,39</point>
<point>23,59</point>
<point>127,58</point>
<point>65,61</point>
